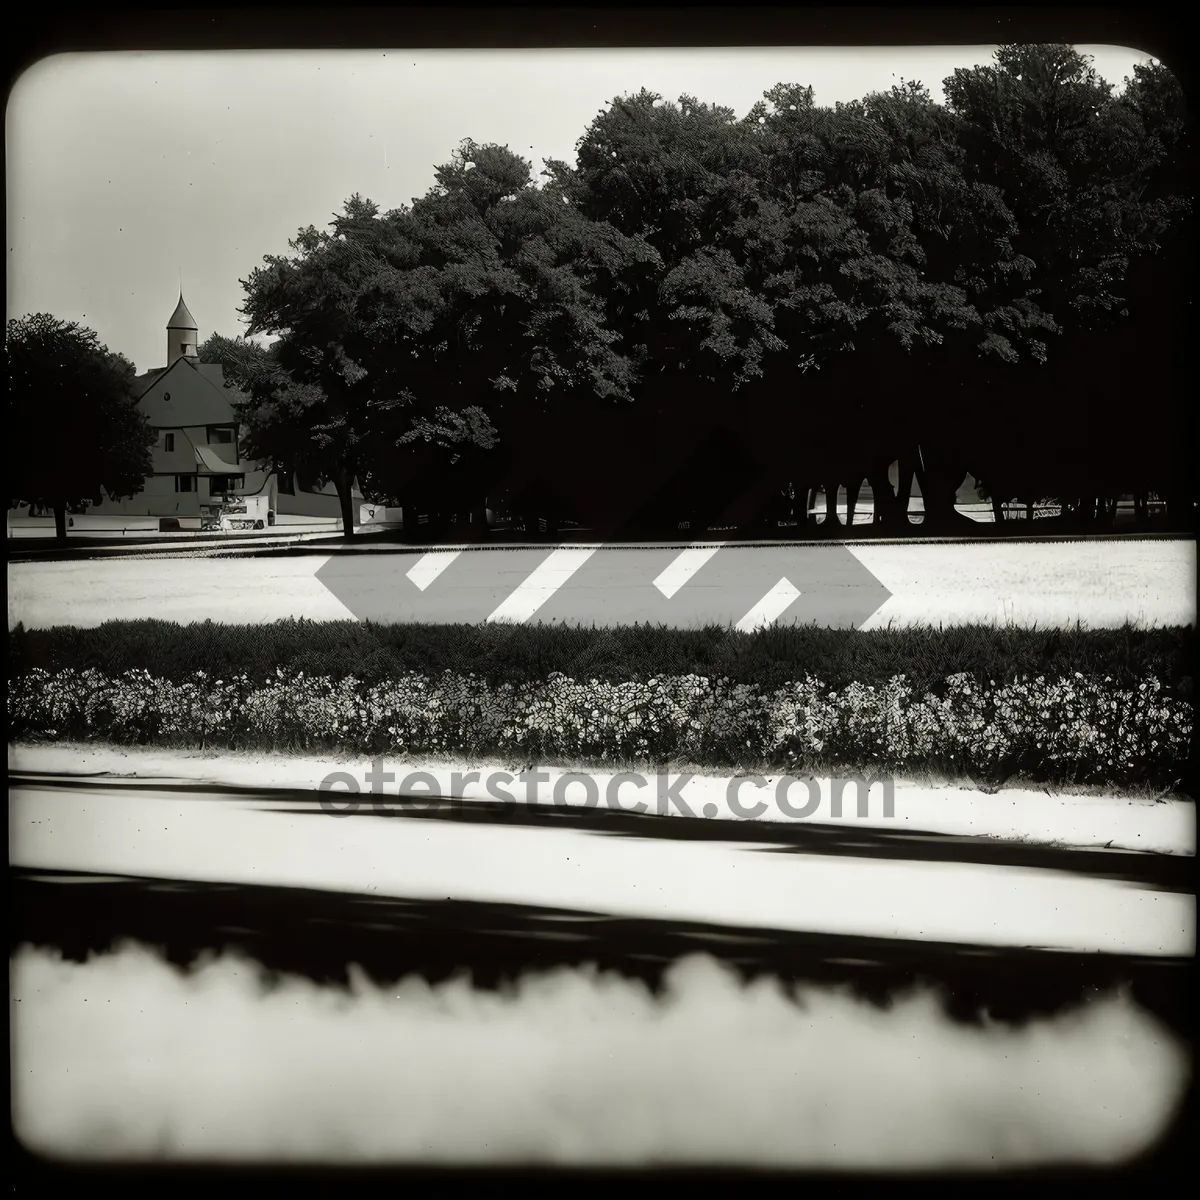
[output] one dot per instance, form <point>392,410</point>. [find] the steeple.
<point>182,333</point>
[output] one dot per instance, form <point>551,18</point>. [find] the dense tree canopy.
<point>407,341</point>
<point>75,431</point>
<point>811,292</point>
<point>1087,177</point>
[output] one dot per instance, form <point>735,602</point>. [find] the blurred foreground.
<point>125,1058</point>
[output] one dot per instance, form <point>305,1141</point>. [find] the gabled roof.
<point>212,373</point>
<point>146,379</point>
<point>156,376</point>
<point>151,377</point>
<point>181,318</point>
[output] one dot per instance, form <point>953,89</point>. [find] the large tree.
<point>76,434</point>
<point>792,271</point>
<point>307,410</point>
<point>837,287</point>
<point>488,329</point>
<point>873,216</point>
<point>1091,180</point>
<point>684,179</point>
<point>408,341</point>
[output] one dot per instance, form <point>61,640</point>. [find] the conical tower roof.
<point>181,318</point>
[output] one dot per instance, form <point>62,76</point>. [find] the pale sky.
<point>126,169</point>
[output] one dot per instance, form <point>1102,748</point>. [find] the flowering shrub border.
<point>1069,729</point>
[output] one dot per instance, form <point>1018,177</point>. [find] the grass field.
<point>1108,583</point>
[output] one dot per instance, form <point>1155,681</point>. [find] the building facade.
<point>197,458</point>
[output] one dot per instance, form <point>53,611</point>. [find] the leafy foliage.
<point>75,432</point>
<point>769,657</point>
<point>852,284</point>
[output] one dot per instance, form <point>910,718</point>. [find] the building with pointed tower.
<point>197,459</point>
<point>182,334</point>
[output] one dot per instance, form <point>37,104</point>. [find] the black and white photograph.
<point>597,606</point>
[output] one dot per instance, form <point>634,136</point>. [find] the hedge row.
<point>499,654</point>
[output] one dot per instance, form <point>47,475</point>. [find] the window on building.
<point>218,484</point>
<point>169,442</point>
<point>185,483</point>
<point>220,435</point>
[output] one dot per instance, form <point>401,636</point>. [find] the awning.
<point>211,461</point>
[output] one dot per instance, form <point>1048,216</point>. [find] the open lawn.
<point>1106,583</point>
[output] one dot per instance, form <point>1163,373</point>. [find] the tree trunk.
<point>851,502</point>
<point>60,520</point>
<point>443,524</point>
<point>939,487</point>
<point>998,510</point>
<point>832,520</point>
<point>907,468</point>
<point>409,514</point>
<point>478,524</point>
<point>802,503</point>
<point>887,506</point>
<point>852,491</point>
<point>1029,510</point>
<point>344,483</point>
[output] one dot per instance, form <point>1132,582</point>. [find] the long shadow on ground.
<point>1160,872</point>
<point>317,935</point>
